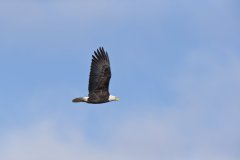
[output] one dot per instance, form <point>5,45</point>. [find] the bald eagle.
<point>99,78</point>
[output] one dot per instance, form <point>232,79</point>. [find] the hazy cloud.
<point>202,124</point>
<point>199,123</point>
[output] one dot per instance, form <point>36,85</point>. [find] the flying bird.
<point>99,78</point>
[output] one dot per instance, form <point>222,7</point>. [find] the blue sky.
<point>175,66</point>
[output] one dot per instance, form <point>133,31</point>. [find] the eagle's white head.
<point>113,98</point>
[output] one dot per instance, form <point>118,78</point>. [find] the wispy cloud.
<point>34,13</point>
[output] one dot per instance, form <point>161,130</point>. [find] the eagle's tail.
<point>80,99</point>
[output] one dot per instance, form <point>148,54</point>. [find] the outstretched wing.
<point>100,72</point>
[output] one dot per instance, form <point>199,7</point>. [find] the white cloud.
<point>42,141</point>
<point>215,18</point>
<point>153,136</point>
